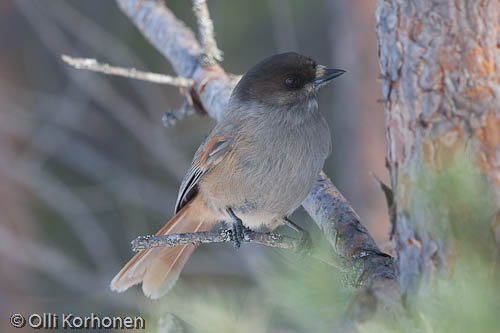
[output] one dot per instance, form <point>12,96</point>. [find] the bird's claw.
<point>238,233</point>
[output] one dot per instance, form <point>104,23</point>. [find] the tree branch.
<point>211,53</point>
<point>220,236</point>
<point>300,246</point>
<point>172,38</point>
<point>339,222</point>
<point>93,65</point>
<point>330,210</point>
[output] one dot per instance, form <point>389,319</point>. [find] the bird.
<point>255,168</point>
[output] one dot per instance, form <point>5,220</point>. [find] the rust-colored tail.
<point>159,268</point>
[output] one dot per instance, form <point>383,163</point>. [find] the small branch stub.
<point>172,117</point>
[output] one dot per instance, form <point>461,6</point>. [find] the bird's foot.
<point>239,231</point>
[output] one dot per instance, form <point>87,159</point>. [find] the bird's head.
<point>284,79</point>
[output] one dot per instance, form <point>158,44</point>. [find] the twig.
<point>93,65</point>
<point>220,236</point>
<point>211,53</point>
<point>389,195</point>
<point>389,198</point>
<point>300,246</point>
<point>172,117</point>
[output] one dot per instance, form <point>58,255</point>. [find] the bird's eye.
<point>293,82</point>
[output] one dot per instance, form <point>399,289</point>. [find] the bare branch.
<point>211,53</point>
<point>172,117</point>
<point>300,246</point>
<point>103,92</point>
<point>212,86</point>
<point>220,236</point>
<point>93,65</point>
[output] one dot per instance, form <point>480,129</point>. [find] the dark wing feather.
<point>207,156</point>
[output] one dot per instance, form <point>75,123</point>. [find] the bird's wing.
<point>211,152</point>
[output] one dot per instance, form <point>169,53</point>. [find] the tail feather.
<point>158,269</point>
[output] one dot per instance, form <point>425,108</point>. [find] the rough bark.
<point>439,62</point>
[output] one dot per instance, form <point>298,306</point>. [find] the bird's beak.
<point>324,75</point>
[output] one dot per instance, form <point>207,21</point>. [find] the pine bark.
<point>439,63</point>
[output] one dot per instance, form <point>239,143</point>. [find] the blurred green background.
<point>86,165</point>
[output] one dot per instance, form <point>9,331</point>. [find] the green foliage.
<point>454,204</point>
<point>299,294</point>
<point>457,195</point>
<point>454,200</point>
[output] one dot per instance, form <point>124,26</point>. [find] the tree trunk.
<point>439,62</point>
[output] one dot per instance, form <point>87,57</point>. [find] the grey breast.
<point>280,158</point>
